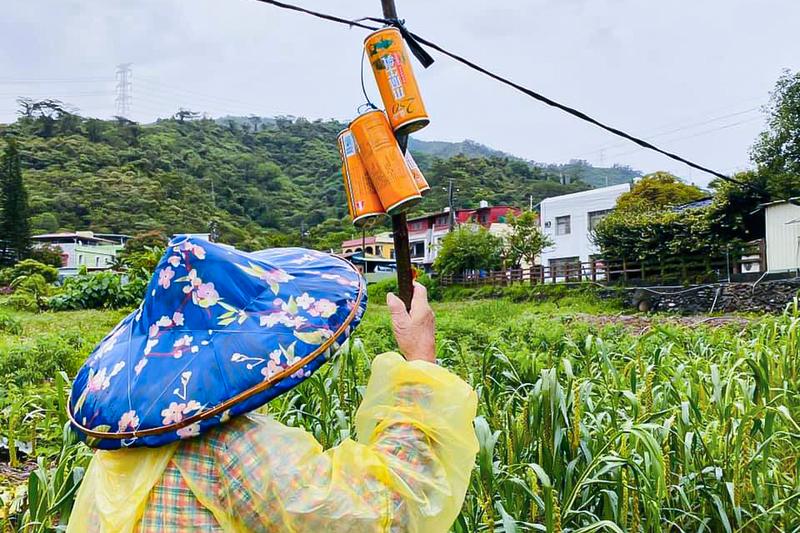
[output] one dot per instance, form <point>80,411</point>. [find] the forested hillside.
<point>256,182</point>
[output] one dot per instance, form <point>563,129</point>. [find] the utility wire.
<point>533,94</point>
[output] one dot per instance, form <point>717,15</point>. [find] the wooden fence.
<point>686,269</point>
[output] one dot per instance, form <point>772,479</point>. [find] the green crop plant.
<point>581,428</point>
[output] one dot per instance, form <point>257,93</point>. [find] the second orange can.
<point>362,199</point>
<point>384,162</point>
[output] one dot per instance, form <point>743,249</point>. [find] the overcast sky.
<point>690,75</point>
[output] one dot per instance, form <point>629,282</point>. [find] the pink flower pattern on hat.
<point>288,303</point>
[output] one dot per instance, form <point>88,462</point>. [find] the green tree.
<point>47,255</point>
<point>777,150</point>
<point>467,249</point>
<point>14,220</point>
<point>526,240</point>
<point>657,191</point>
<point>328,235</point>
<point>735,212</point>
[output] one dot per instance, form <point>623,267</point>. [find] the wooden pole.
<point>402,250</point>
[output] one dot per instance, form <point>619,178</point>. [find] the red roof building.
<point>426,232</point>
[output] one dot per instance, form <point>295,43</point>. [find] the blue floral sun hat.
<point>219,333</point>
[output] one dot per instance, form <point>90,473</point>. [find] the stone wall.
<point>766,296</point>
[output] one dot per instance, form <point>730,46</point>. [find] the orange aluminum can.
<point>362,199</point>
<point>384,162</point>
<point>399,90</point>
<point>419,177</point>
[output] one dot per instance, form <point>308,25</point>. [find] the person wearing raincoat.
<point>408,470</point>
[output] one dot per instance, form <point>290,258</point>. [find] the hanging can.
<point>391,65</point>
<point>419,178</point>
<point>384,162</point>
<point>362,200</point>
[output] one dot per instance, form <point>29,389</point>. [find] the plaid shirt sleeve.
<point>408,472</point>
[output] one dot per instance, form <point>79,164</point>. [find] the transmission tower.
<point>124,90</point>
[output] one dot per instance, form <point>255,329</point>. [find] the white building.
<point>83,249</point>
<point>782,221</point>
<point>569,220</point>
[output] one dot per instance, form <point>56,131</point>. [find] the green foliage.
<point>526,240</point>
<point>643,228</point>
<point>655,237</point>
<point>500,181</point>
<point>14,224</point>
<point>51,492</point>
<point>9,324</point>
<point>377,291</point>
<point>735,212</point>
<point>468,249</point>
<point>28,267</point>
<point>581,428</point>
<point>48,255</point>
<point>777,151</point>
<point>101,290</point>
<point>329,234</point>
<point>656,191</point>
<point>255,189</point>
<point>144,242</point>
<point>40,359</point>
<point>30,293</point>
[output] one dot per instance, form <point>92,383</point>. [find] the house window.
<point>369,249</point>
<point>379,250</point>
<point>596,216</point>
<point>441,220</point>
<point>391,253</point>
<point>565,266</point>
<point>80,259</point>
<point>97,261</point>
<point>417,249</point>
<point>563,225</point>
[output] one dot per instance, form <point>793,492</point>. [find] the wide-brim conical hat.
<point>219,333</point>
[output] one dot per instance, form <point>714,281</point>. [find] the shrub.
<point>9,324</point>
<point>103,290</point>
<point>28,267</point>
<point>30,293</point>
<point>42,359</point>
<point>377,291</point>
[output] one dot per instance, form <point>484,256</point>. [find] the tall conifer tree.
<point>15,230</point>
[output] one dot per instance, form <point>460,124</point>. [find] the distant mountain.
<point>256,181</point>
<point>579,170</point>
<point>446,150</point>
<point>575,170</point>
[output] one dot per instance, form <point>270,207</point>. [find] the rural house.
<point>95,251</point>
<point>569,221</point>
<point>425,233</point>
<point>373,255</point>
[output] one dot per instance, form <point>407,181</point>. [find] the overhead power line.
<point>664,132</point>
<point>529,92</point>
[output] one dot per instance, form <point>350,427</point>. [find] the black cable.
<point>363,85</point>
<point>533,94</point>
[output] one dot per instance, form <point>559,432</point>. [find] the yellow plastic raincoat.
<point>408,471</point>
